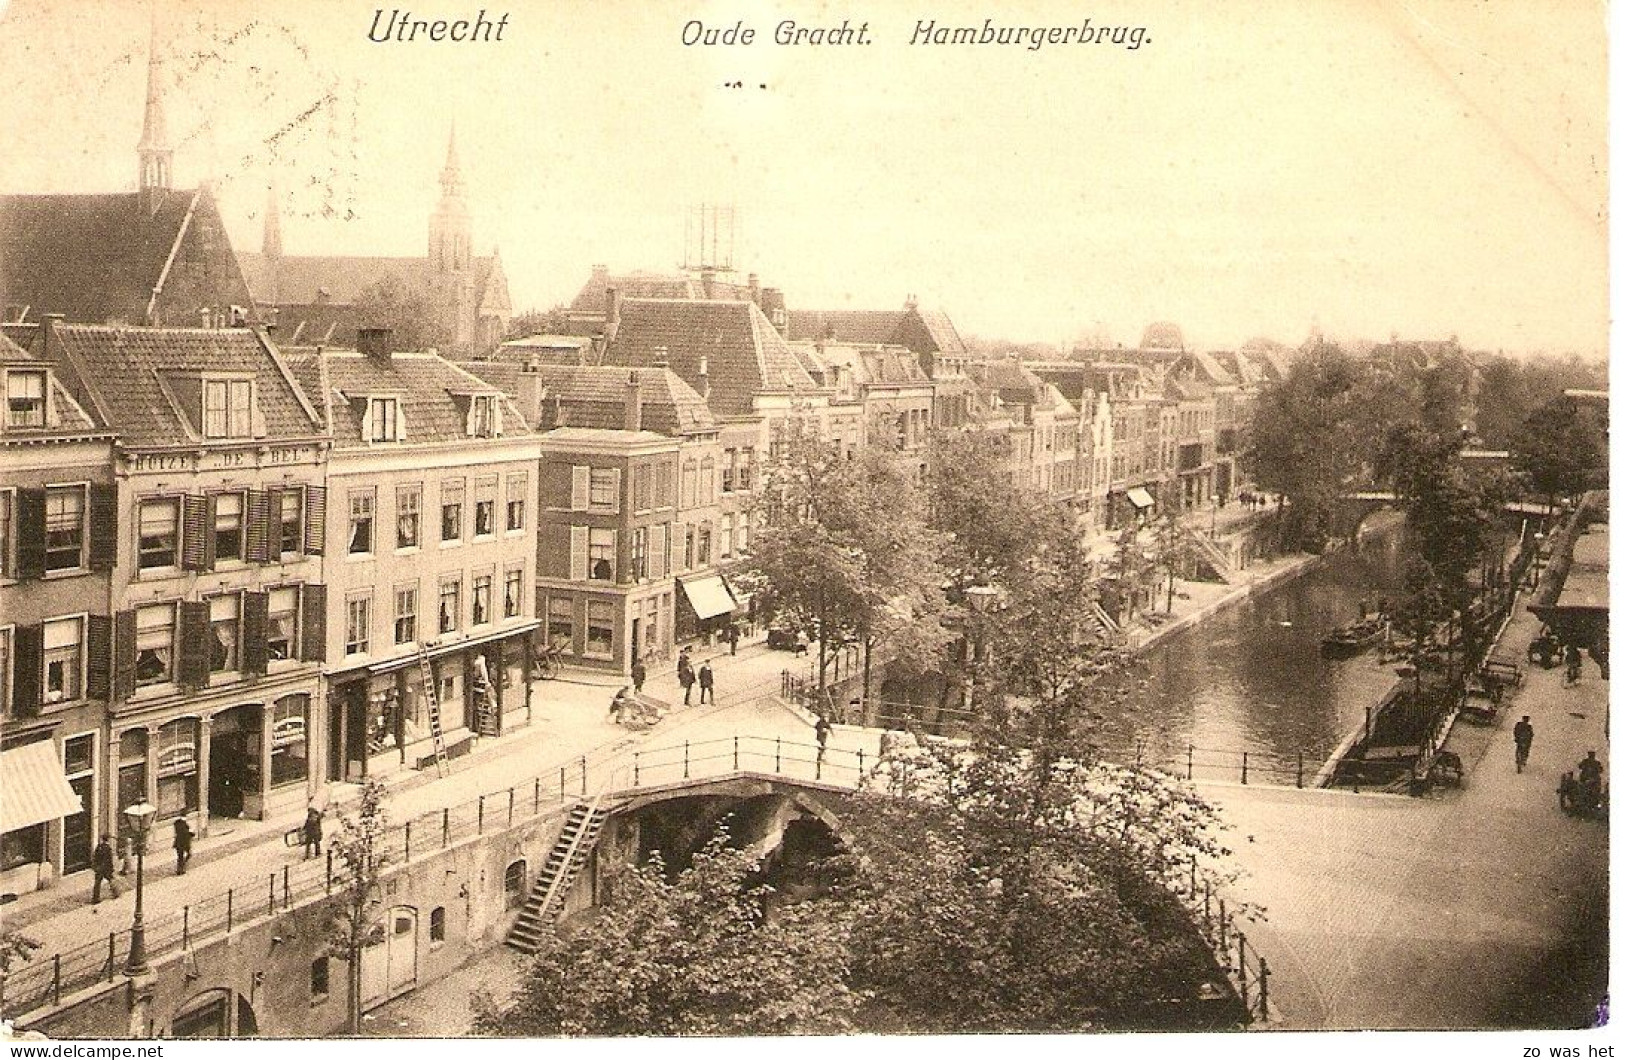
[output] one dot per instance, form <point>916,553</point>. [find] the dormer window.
<point>25,397</point>
<point>383,419</point>
<point>228,408</point>
<point>484,416</point>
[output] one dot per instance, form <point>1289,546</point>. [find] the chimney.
<point>600,272</point>
<point>529,396</point>
<point>755,289</point>
<point>662,358</point>
<point>634,402</point>
<point>612,314</point>
<point>47,331</point>
<point>705,377</point>
<point>374,343</point>
<point>911,303</point>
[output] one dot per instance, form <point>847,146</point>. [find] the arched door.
<point>391,967</point>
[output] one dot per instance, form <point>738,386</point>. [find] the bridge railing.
<point>701,759</point>
<point>1245,767</point>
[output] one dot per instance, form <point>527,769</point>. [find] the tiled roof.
<point>744,355</point>
<point>127,378</point>
<point>594,294</point>
<point>1213,370</point>
<point>595,396</point>
<point>70,418</point>
<point>427,385</point>
<point>1015,384</point>
<point>96,258</point>
<point>600,436</point>
<point>876,327</point>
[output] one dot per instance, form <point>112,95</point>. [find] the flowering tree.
<point>359,848</point>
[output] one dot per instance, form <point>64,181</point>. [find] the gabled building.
<point>430,556</point>
<point>156,256</point>
<point>59,534</point>
<point>215,632</point>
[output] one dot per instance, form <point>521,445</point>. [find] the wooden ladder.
<point>442,763</point>
<point>569,854</point>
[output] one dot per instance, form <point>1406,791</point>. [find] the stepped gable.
<point>742,353</point>
<point>135,379</point>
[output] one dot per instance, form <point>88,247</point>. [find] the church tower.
<point>450,228</point>
<point>154,150</point>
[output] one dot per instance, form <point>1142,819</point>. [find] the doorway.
<point>234,761</point>
<point>390,968</point>
<point>637,639</point>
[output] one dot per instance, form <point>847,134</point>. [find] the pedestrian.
<point>639,674</point>
<point>1523,737</point>
<point>707,684</point>
<point>312,833</point>
<point>1590,771</point>
<point>183,845</point>
<point>1571,661</point>
<point>101,863</point>
<point>821,730</point>
<point>733,639</point>
<point>685,677</point>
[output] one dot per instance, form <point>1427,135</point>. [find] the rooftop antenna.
<point>708,238</point>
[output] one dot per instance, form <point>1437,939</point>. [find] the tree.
<point>16,949</point>
<point>844,554</point>
<point>539,322</point>
<point>1561,448</point>
<point>412,314</point>
<point>698,954</point>
<point>1125,571</point>
<point>1306,441</point>
<point>359,848</point>
<point>1173,543</point>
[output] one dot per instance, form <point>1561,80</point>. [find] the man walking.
<point>733,639</point>
<point>707,683</point>
<point>639,674</point>
<point>821,730</point>
<point>313,833</point>
<point>183,845</point>
<point>101,863</point>
<point>685,677</point>
<point>1523,736</point>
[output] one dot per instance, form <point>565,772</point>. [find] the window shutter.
<point>258,531</point>
<point>580,488</point>
<point>192,649</point>
<point>123,655</point>
<point>315,519</point>
<point>578,553</point>
<point>27,669</point>
<point>31,535</point>
<point>256,617</point>
<point>195,532</point>
<point>657,552</point>
<point>313,623</point>
<point>99,657</point>
<point>103,527</point>
<point>615,489</point>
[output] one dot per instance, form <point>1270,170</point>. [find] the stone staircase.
<point>1208,552</point>
<point>575,845</point>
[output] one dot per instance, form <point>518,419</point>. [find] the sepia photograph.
<point>736,519</point>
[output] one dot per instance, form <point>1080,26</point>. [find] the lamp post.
<point>982,599</point>
<point>140,815</point>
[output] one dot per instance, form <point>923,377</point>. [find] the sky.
<point>1424,168</point>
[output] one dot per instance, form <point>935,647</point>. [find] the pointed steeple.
<point>450,227</point>
<point>154,150</point>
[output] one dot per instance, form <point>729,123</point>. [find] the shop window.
<point>289,757</point>
<point>224,626</point>
<point>160,524</point>
<point>64,528</point>
<point>177,767</point>
<point>561,627</point>
<point>25,846</point>
<point>154,644</point>
<point>437,924</point>
<point>132,774</point>
<point>600,628</point>
<point>64,660</point>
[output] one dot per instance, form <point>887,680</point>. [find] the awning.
<point>32,787</point>
<point>1140,498</point>
<point>707,595</point>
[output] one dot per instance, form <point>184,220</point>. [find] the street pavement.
<point>571,720</point>
<point>1483,907</point>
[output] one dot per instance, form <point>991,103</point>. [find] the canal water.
<point>1252,678</point>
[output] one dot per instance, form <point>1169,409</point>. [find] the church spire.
<point>272,245</point>
<point>154,150</point>
<point>450,227</point>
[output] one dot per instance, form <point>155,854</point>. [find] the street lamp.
<point>140,815</point>
<point>982,600</point>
